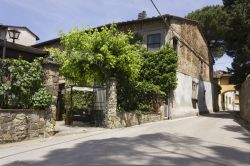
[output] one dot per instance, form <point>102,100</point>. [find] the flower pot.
<point>68,120</point>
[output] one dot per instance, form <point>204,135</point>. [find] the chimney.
<point>142,15</point>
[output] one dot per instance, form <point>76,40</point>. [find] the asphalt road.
<point>215,139</point>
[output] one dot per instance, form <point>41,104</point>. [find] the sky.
<point>47,17</point>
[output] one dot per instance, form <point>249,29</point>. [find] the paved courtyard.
<point>214,139</point>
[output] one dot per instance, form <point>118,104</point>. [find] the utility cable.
<point>180,37</point>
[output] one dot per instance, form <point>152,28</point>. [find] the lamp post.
<point>14,34</point>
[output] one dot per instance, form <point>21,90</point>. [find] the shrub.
<point>157,78</point>
<point>20,80</point>
<point>41,99</point>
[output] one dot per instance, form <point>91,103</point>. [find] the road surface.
<point>215,139</point>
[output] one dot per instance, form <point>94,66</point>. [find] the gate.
<point>85,104</point>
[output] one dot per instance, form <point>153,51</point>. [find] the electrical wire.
<point>180,37</point>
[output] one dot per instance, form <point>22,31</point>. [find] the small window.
<point>154,41</point>
<point>194,90</point>
<point>175,44</point>
<point>201,68</point>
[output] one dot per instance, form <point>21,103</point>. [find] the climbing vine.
<point>94,55</point>
<point>21,84</point>
<point>150,89</point>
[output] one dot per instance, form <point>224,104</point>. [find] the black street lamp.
<point>14,34</point>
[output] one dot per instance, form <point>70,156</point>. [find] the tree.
<point>228,27</point>
<point>238,37</point>
<point>96,55</point>
<point>211,19</point>
<point>144,77</point>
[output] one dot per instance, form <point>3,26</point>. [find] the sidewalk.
<point>75,128</point>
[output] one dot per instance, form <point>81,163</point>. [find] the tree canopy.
<point>227,29</point>
<point>144,77</point>
<point>237,39</point>
<point>97,54</point>
<point>211,19</point>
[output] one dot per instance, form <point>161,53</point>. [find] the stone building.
<point>193,94</point>
<point>20,124</point>
<point>228,98</point>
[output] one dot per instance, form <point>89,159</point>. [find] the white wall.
<point>25,38</point>
<point>229,98</point>
<point>183,105</point>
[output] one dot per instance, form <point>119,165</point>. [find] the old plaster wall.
<point>194,63</point>
<point>245,100</point>
<point>18,125</point>
<point>183,104</point>
<point>193,56</point>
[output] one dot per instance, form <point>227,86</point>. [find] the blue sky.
<point>47,17</point>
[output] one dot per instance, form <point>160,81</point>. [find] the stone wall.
<point>245,100</point>
<point>51,71</point>
<point>127,119</point>
<point>21,124</point>
<point>114,119</point>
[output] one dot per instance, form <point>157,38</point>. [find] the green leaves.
<point>157,78</point>
<point>144,77</point>
<point>227,29</point>
<point>97,54</point>
<point>41,99</point>
<point>212,20</point>
<point>20,80</point>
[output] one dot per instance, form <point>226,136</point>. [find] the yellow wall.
<point>225,85</point>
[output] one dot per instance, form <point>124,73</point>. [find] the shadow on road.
<point>148,149</point>
<point>239,129</point>
<point>221,114</point>
<point>232,128</point>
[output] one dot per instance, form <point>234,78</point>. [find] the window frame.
<point>156,43</point>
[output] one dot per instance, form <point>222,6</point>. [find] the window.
<point>175,44</point>
<point>201,68</point>
<point>194,90</point>
<point>154,41</point>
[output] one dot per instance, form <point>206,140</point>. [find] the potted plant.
<point>67,118</point>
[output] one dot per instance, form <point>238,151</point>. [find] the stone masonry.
<point>114,119</point>
<point>21,124</point>
<point>110,114</point>
<point>245,100</point>
<point>51,70</point>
